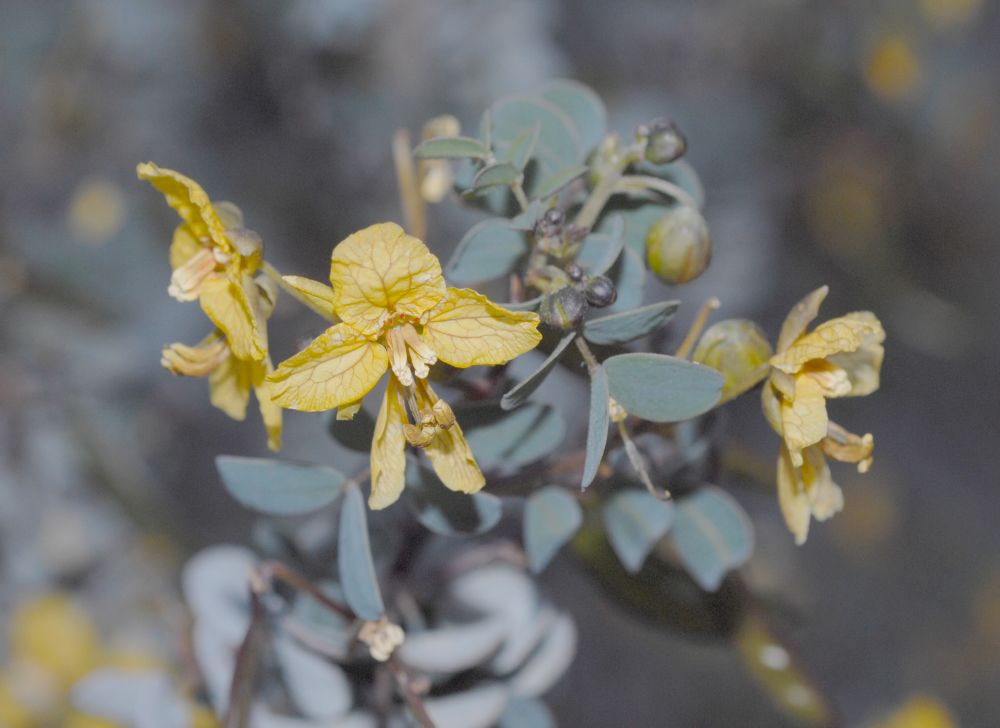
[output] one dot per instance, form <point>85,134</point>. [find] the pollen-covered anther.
<point>186,281</point>
<point>443,414</point>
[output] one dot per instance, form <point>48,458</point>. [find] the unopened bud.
<point>575,272</point>
<point>600,291</point>
<point>678,245</point>
<point>664,142</point>
<point>739,351</point>
<point>563,309</point>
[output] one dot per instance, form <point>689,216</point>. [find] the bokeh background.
<point>849,143</point>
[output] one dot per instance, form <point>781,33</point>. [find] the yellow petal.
<point>318,296</point>
<point>229,387</point>
<point>270,412</point>
<point>835,336</point>
<point>802,314</point>
<point>388,458</point>
<point>346,412</point>
<point>847,447</point>
<point>832,379</point>
<point>339,367</point>
<point>468,329</point>
<point>792,498</point>
<point>803,418</point>
<point>183,246</point>
<point>770,401</point>
<point>189,200</point>
<point>448,451</point>
<point>863,366</point>
<point>825,496</point>
<point>195,361</point>
<point>381,270</point>
<point>231,308</point>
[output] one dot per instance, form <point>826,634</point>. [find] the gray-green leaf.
<point>521,148</point>
<point>600,250</point>
<point>712,535</point>
<point>552,184</point>
<point>619,328</point>
<point>551,517</point>
<point>451,148</point>
<point>502,174</point>
<point>449,513</point>
<point>583,106</point>
<point>489,249</point>
<point>597,426</point>
<point>635,521</point>
<point>507,441</point>
<point>520,392</point>
<point>662,388</point>
<point>279,487</point>
<point>354,558</point>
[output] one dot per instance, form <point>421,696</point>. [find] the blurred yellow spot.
<point>55,634</point>
<point>893,69</point>
<point>920,711</point>
<point>845,208</point>
<point>949,14</point>
<point>868,520</point>
<point>97,210</point>
<point>986,609</point>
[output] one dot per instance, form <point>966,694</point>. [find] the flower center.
<point>186,282</point>
<point>408,354</point>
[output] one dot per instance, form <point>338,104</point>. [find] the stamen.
<point>397,356</point>
<point>195,361</point>
<point>421,355</point>
<point>186,281</point>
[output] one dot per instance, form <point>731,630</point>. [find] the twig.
<point>635,457</point>
<point>274,570</point>
<point>415,703</point>
<point>245,668</point>
<point>414,211</point>
<point>641,183</point>
<point>696,326</point>
<point>522,199</point>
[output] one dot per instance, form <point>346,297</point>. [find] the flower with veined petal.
<point>839,358</point>
<point>230,379</point>
<point>396,313</point>
<point>213,258</point>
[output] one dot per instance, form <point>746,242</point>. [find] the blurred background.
<point>849,143</point>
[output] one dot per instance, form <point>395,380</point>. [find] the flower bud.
<point>605,159</point>
<point>678,245</point>
<point>600,291</point>
<point>739,351</point>
<point>664,142</point>
<point>563,309</point>
<point>575,272</point>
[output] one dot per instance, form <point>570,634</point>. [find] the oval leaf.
<point>628,274</point>
<point>600,250</point>
<point>583,106</point>
<point>551,517</point>
<point>506,441</point>
<point>662,388</point>
<point>526,388</point>
<point>619,328</point>
<point>496,175</point>
<point>446,512</point>
<point>527,713</point>
<point>712,535</point>
<point>635,521</point>
<point>521,148</point>
<point>278,487</point>
<point>354,558</point>
<point>451,148</point>
<point>597,425</point>
<point>453,648</point>
<point>489,249</point>
<point>319,689</point>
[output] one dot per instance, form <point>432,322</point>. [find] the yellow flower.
<point>213,258</point>
<point>839,358</point>
<point>230,379</point>
<point>396,313</point>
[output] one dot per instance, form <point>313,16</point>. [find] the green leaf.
<point>279,487</point>
<point>619,328</point>
<point>446,512</point>
<point>525,220</point>
<point>583,106</point>
<point>451,148</point>
<point>551,185</point>
<point>520,392</point>
<point>551,517</point>
<point>489,249</point>
<point>558,144</point>
<point>502,174</point>
<point>354,434</point>
<point>600,250</point>
<point>635,521</point>
<point>712,535</point>
<point>354,558</point>
<point>637,215</point>
<point>527,713</point>
<point>520,149</point>
<point>597,426</point>
<point>662,388</point>
<point>505,441</point>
